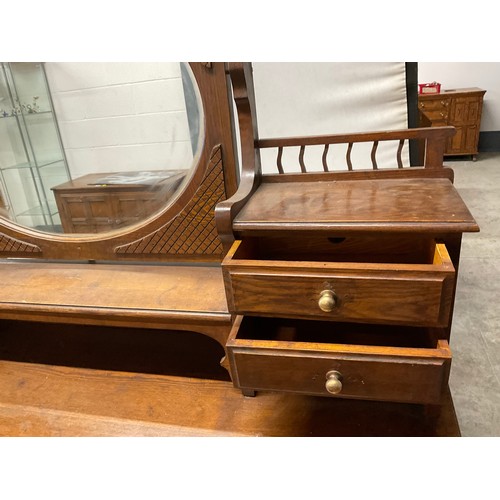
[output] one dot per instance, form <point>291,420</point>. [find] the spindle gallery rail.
<point>433,141</point>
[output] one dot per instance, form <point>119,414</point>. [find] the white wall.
<point>454,75</point>
<point>121,116</point>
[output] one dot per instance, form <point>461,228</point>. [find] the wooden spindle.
<point>301,159</point>
<point>374,155</point>
<point>279,164</point>
<point>400,149</point>
<point>348,156</point>
<point>325,152</point>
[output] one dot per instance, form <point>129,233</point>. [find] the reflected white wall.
<point>121,116</point>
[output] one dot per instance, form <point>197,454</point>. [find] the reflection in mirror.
<point>94,147</point>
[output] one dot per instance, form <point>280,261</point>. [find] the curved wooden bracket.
<point>240,75</point>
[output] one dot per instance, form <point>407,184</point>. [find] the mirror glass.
<point>95,147</point>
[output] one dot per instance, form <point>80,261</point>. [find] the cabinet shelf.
<point>45,112</point>
<point>37,165</point>
<point>40,210</point>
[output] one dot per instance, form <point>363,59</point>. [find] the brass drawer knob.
<point>327,301</point>
<point>333,382</point>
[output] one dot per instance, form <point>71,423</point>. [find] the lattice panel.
<point>193,231</point>
<point>9,244</point>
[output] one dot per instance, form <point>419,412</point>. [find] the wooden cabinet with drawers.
<point>350,298</point>
<point>460,108</point>
<point>343,283</point>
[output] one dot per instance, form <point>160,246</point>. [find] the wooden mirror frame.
<point>185,229</point>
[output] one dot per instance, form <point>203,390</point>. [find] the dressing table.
<point>329,293</point>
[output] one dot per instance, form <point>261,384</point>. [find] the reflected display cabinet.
<point>31,154</point>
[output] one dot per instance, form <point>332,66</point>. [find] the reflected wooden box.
<point>100,202</point>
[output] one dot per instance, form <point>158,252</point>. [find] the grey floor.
<point>475,336</point>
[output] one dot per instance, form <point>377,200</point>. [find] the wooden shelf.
<point>153,296</point>
<point>359,205</point>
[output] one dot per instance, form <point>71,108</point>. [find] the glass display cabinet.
<point>31,154</point>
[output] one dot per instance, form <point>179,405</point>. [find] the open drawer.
<point>387,363</point>
<point>419,292</point>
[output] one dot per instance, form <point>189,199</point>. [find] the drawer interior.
<point>341,248</point>
<point>325,332</point>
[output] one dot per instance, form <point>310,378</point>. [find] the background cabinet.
<point>97,203</point>
<point>460,108</point>
<point>31,154</point>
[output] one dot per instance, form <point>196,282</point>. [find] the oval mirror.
<point>89,148</point>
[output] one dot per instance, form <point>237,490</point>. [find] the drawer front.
<point>409,375</point>
<point>437,111</point>
<point>438,117</point>
<point>401,380</point>
<point>402,294</point>
<point>434,104</point>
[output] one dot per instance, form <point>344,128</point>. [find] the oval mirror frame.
<point>184,230</point>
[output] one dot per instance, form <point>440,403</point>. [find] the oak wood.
<point>432,145</point>
<point>240,77</point>
<point>415,294</point>
<point>41,400</point>
<point>289,227</point>
<point>406,173</point>
<point>385,204</point>
<point>184,297</point>
<point>385,135</point>
<point>296,356</point>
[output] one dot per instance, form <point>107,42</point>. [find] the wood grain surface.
<point>40,400</point>
<point>382,205</point>
<point>154,296</point>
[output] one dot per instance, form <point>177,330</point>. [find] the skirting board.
<point>489,141</point>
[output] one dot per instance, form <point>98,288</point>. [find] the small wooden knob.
<point>327,301</point>
<point>333,382</point>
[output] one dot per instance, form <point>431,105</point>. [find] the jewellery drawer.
<point>374,289</point>
<point>377,362</point>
